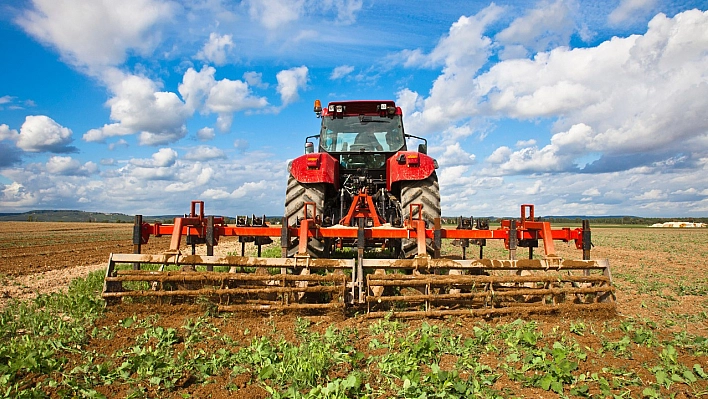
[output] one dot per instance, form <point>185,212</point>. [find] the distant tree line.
<point>629,220</point>
<point>78,216</point>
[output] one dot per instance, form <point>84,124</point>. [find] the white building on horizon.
<point>679,224</point>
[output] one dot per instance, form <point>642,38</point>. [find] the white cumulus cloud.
<point>249,188</point>
<point>41,133</point>
<point>68,166</point>
<point>528,160</point>
<point>138,106</point>
<point>461,53</point>
<point>592,192</point>
<point>228,96</point>
<point>15,195</point>
<point>97,33</point>
<point>191,178</point>
<point>454,155</point>
<point>255,79</point>
<point>205,134</point>
<point>201,91</point>
<point>632,101</point>
<point>217,49</point>
<point>205,153</point>
<point>290,81</point>
<point>654,194</point>
<point>535,189</point>
<point>8,134</point>
<point>546,26</point>
<point>164,157</point>
<point>639,95</point>
<point>526,143</point>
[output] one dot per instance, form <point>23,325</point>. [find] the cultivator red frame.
<point>422,286</point>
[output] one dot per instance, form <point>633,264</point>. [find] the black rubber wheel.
<point>296,195</point>
<point>427,193</point>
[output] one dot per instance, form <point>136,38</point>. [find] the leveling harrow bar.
<point>426,285</point>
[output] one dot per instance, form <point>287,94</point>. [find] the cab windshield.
<point>362,133</point>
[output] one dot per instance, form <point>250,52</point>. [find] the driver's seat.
<point>366,141</point>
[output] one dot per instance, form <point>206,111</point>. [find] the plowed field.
<point>655,346</point>
<point>45,257</point>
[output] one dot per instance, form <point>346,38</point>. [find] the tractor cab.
<point>361,134</point>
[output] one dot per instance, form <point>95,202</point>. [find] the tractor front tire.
<point>296,195</point>
<point>427,193</point>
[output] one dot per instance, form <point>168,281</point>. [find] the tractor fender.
<point>408,165</point>
<point>317,167</point>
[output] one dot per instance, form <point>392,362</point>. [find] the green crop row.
<point>52,347</point>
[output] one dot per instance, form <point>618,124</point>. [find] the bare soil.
<point>43,257</point>
<point>34,247</point>
<point>659,276</point>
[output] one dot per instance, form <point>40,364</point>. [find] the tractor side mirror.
<point>309,146</point>
<point>423,148</point>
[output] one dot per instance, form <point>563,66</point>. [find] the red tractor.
<point>364,188</point>
<point>363,156</point>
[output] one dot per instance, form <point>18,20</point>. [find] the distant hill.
<point>91,217</point>
<point>75,216</point>
<point>99,217</point>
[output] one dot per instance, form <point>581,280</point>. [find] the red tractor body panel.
<point>317,167</point>
<point>408,165</point>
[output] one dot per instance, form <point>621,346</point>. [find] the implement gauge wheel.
<point>295,197</point>
<point>427,193</point>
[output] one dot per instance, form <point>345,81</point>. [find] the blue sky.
<point>139,106</point>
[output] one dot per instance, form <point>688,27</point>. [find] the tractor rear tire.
<point>427,193</point>
<point>296,195</point>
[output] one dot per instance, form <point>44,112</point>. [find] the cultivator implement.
<point>250,283</point>
<point>424,285</point>
<point>484,287</point>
